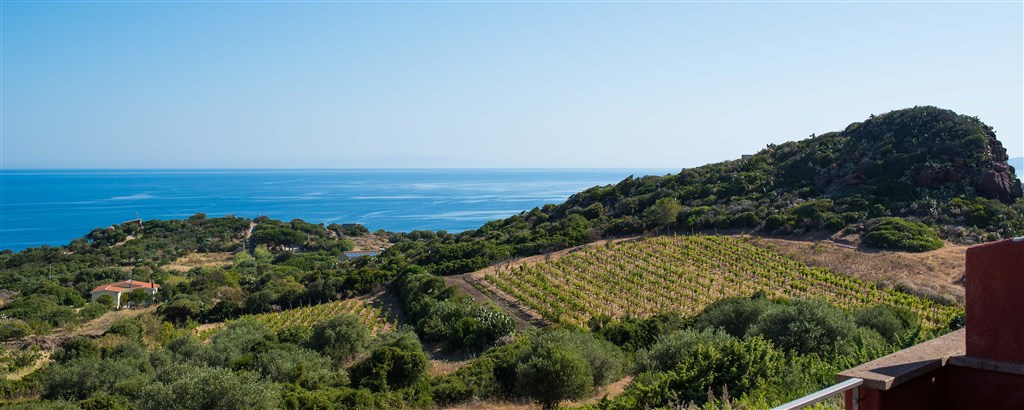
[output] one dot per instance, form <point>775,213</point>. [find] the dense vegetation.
<point>698,319</point>
<point>900,234</point>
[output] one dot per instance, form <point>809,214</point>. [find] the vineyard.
<point>683,273</point>
<point>373,317</point>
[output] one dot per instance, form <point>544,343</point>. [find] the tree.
<point>551,373</point>
<point>181,307</point>
<point>139,297</point>
<point>340,338</point>
<point>396,363</point>
<point>662,213</point>
<point>106,300</point>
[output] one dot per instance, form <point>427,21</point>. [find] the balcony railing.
<point>824,394</point>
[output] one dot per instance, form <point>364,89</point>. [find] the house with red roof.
<point>116,289</point>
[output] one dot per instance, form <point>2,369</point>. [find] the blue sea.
<point>52,207</point>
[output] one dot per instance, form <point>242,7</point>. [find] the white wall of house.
<point>114,295</point>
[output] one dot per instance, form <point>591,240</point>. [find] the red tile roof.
<point>110,288</point>
<point>124,286</point>
<point>132,284</point>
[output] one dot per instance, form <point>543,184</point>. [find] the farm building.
<point>117,289</point>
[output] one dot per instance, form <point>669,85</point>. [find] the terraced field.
<point>683,273</point>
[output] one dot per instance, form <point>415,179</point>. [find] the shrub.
<point>126,327</point>
<point>75,348</point>
<point>296,334</point>
<point>237,345</point>
<point>813,326</point>
<point>12,329</point>
<point>396,363</point>
<point>733,315</point>
<point>632,334</point>
<point>671,349</point>
<point>297,365</point>
<point>550,374</point>
<point>900,234</point>
<point>340,337</point>
<point>93,310</point>
<point>894,324</point>
<point>190,387</point>
<point>742,366</point>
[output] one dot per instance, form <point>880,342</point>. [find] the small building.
<point>116,289</point>
<point>358,254</point>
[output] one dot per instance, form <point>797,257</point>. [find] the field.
<point>682,273</point>
<point>936,274</point>
<point>373,317</point>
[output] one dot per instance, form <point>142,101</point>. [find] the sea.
<point>53,207</point>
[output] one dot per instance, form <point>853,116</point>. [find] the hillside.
<point>645,277</point>
<point>923,164</point>
<point>928,169</point>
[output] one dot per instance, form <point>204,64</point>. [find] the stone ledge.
<point>897,368</point>
<point>986,364</point>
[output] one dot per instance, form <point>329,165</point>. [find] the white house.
<point>114,290</point>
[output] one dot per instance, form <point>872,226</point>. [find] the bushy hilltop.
<point>924,164</point>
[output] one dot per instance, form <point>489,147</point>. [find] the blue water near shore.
<point>53,207</point>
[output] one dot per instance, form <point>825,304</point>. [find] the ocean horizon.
<point>54,206</point>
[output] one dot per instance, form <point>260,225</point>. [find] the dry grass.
<point>443,367</point>
<point>936,274</point>
<point>368,242</point>
<point>99,325</point>
<point>200,260</point>
<point>44,357</point>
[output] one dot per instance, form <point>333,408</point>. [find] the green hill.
<point>924,164</point>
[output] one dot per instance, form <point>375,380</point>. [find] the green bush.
<point>93,310</point>
<point>198,388</point>
<point>742,366</point>
<point>632,334</point>
<point>733,315</point>
<point>814,326</point>
<point>76,348</point>
<point>671,349</point>
<point>291,364</point>
<point>12,329</point>
<point>900,234</point>
<point>340,337</point>
<point>551,370</point>
<point>295,334</point>
<point>396,363</point>
<point>550,374</point>
<point>894,324</point>
<point>126,327</point>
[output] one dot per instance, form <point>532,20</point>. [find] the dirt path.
<point>248,237</point>
<point>27,370</point>
<point>525,320</point>
<point>479,289</point>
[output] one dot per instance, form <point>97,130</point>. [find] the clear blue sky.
<point>335,85</point>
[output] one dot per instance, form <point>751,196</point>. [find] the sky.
<point>469,84</point>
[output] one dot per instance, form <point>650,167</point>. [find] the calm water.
<point>54,207</point>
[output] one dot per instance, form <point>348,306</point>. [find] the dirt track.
<point>524,320</point>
